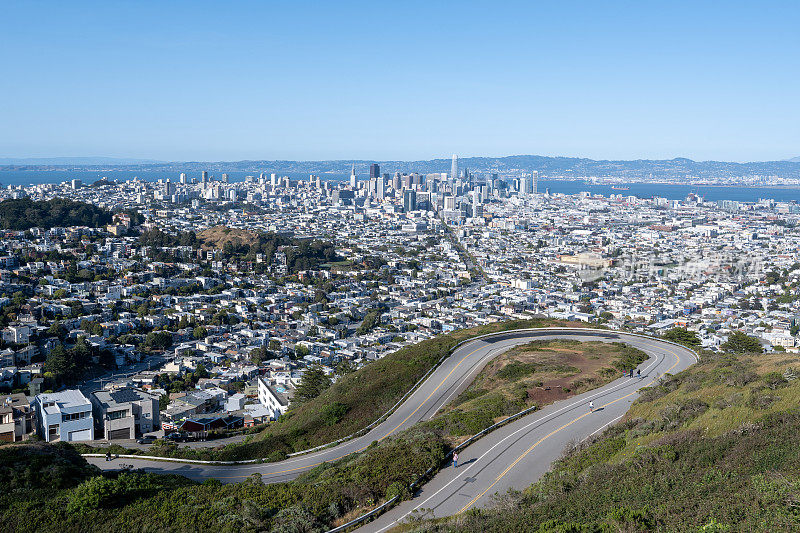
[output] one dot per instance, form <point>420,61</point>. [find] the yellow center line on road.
<point>364,447</point>
<point>537,443</point>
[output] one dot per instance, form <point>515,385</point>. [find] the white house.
<point>271,398</point>
<point>64,416</point>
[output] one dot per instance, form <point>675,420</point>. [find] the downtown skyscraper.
<point>454,168</point>
<point>374,171</point>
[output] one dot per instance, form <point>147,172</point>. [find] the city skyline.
<point>264,82</point>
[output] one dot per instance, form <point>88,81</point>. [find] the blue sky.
<point>400,80</point>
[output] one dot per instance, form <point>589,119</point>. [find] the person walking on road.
<point>455,459</point>
<point>591,406</point>
<point>108,456</point>
<point>638,373</point>
<point>630,375</point>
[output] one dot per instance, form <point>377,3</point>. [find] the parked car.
<point>176,436</point>
<point>147,439</point>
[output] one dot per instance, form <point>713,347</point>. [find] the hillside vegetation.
<point>711,449</point>
<point>218,236</point>
<point>24,213</point>
<point>537,373</point>
<point>51,488</point>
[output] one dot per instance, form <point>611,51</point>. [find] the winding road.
<point>512,456</point>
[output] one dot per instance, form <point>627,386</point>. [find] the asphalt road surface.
<point>513,456</point>
<point>516,455</point>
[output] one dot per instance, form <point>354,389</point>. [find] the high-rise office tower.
<point>183,178</point>
<point>523,186</point>
<point>534,181</point>
<point>273,179</point>
<point>380,192</point>
<point>476,196</point>
<point>224,178</point>
<point>374,171</point>
<point>477,204</point>
<point>454,168</point>
<point>409,200</point>
<point>353,179</point>
<point>204,177</point>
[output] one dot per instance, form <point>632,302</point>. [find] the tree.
<point>200,332</point>
<point>301,351</point>
<point>57,330</point>
<point>107,359</point>
<point>738,342</point>
<point>59,364</point>
<point>158,339</point>
<point>312,384</point>
<point>344,367</point>
<point>683,336</point>
<point>371,320</point>
<point>201,371</point>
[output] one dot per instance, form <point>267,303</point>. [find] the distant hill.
<point>218,236</point>
<point>24,213</point>
<point>71,161</point>
<point>794,159</point>
<point>565,167</point>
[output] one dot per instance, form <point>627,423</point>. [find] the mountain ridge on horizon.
<point>562,166</point>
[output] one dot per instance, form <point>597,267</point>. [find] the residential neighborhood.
<point>201,304</point>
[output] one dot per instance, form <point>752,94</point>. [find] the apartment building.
<point>271,398</point>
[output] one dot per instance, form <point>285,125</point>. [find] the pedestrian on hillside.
<point>591,407</point>
<point>638,373</point>
<point>455,459</point>
<point>631,374</point>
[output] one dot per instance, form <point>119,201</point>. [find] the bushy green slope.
<point>711,449</point>
<point>51,488</point>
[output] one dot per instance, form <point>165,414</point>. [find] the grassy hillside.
<point>711,449</point>
<point>218,236</point>
<point>537,373</point>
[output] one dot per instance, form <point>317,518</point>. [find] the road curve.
<point>483,461</point>
<point>518,454</point>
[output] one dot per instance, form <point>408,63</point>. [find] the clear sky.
<point>400,80</point>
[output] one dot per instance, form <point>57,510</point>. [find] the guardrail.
<point>413,486</point>
<point>541,331</point>
<point>386,505</point>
